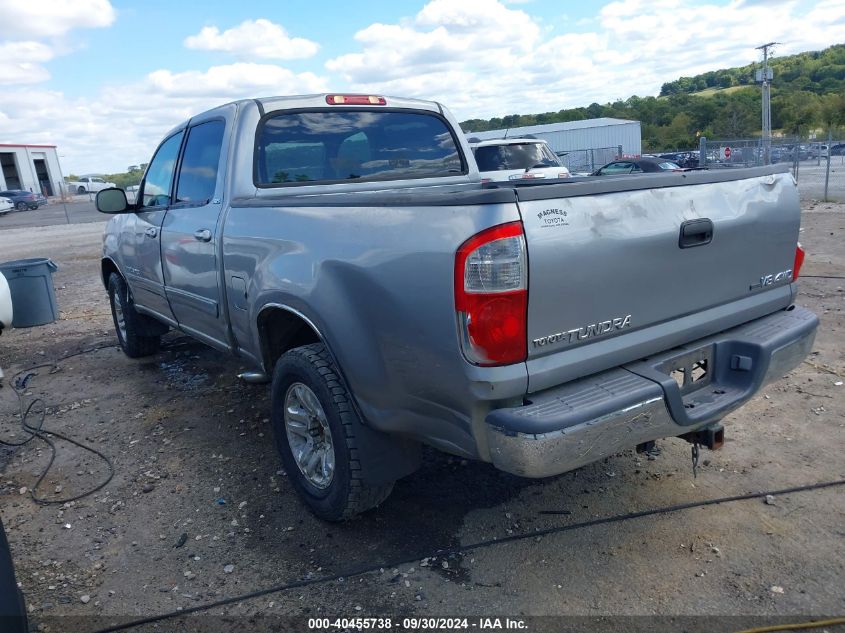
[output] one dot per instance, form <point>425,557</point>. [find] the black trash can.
<point>31,286</point>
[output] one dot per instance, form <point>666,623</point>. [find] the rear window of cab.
<point>320,146</point>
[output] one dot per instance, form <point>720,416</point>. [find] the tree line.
<point>808,95</point>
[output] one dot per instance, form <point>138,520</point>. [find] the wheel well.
<point>108,267</point>
<point>280,330</point>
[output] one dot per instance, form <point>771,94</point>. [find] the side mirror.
<point>112,201</point>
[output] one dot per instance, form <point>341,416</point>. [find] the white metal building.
<point>32,167</point>
<point>579,135</point>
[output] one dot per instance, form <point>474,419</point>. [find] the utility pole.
<point>765,76</point>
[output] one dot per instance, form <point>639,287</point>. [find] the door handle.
<point>151,232</point>
<point>695,233</point>
<point>203,235</point>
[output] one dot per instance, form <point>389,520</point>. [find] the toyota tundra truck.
<point>345,248</point>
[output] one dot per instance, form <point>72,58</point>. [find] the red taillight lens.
<point>491,295</point>
<point>355,100</point>
<point>799,261</point>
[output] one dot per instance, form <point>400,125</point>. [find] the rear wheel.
<point>21,206</point>
<point>314,425</point>
<point>128,324</point>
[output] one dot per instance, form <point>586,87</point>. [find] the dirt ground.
<point>198,509</point>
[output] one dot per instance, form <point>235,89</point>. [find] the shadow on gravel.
<point>220,436</point>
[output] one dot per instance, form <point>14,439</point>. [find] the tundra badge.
<point>585,332</point>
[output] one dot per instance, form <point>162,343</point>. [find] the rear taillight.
<point>491,295</point>
<point>799,261</point>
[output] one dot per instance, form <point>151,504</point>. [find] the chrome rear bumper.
<point>586,420</point>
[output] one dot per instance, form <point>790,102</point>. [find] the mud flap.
<point>385,458</point>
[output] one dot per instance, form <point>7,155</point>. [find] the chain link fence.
<point>586,161</point>
<point>818,166</point>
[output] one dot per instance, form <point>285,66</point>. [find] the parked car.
<point>41,199</point>
<point>21,198</point>
<point>345,249</point>
<point>516,159</point>
<point>688,160</point>
<point>837,150</point>
<point>637,166</point>
<point>132,193</point>
<point>6,205</point>
<point>89,184</point>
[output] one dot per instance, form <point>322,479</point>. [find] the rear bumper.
<point>565,427</point>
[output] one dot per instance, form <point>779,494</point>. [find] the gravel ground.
<point>199,510</point>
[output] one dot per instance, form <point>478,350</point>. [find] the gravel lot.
<point>198,509</point>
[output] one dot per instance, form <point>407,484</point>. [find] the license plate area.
<point>690,370</point>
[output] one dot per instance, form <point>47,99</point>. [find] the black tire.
<point>347,494</point>
<point>80,189</point>
<point>132,337</point>
<point>21,206</point>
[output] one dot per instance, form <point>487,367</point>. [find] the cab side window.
<point>198,173</point>
<point>156,187</point>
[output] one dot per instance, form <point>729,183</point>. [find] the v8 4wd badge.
<point>770,280</point>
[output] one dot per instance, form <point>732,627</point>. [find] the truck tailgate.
<point>606,261</point>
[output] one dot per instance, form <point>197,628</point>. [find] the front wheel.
<point>314,425</point>
<point>129,325</point>
<point>21,206</point>
<point>80,190</point>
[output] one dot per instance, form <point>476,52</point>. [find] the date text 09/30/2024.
<point>416,624</point>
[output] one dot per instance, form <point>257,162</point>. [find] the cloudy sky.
<point>104,80</point>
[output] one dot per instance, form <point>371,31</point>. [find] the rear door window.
<point>198,171</point>
<point>324,146</point>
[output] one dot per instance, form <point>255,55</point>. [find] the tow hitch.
<point>712,437</point>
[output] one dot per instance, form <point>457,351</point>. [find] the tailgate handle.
<point>696,233</point>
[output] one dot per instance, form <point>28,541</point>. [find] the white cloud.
<point>445,36</point>
<point>52,18</point>
<point>486,58</point>
<point>20,62</point>
<point>115,128</point>
<point>26,23</point>
<point>253,38</point>
<point>234,81</point>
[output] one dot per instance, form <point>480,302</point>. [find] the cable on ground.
<point>370,568</point>
<point>33,430</point>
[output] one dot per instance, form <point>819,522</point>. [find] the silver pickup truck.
<point>345,247</point>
